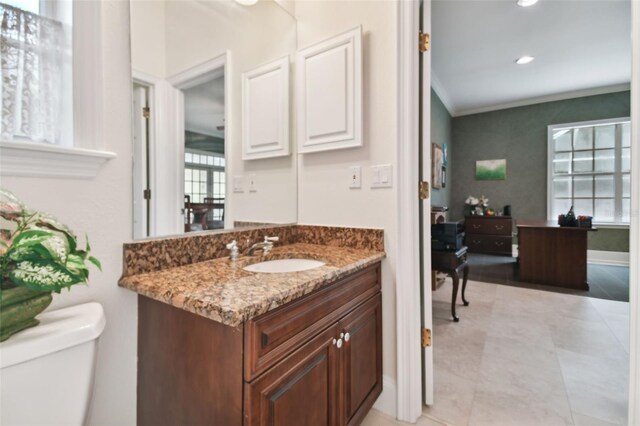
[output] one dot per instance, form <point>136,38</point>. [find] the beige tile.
<point>458,350</point>
<point>582,420</point>
<point>586,337</point>
<point>522,330</point>
<point>596,386</point>
<point>427,421</point>
<point>453,398</point>
<point>376,418</point>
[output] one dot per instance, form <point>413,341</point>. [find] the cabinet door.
<point>300,390</point>
<point>361,369</point>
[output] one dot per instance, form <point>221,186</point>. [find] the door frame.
<point>408,383</point>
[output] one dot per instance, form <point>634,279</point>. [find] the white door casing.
<point>329,93</point>
<point>265,111</point>
<point>139,163</point>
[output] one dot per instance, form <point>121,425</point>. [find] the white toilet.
<point>46,372</point>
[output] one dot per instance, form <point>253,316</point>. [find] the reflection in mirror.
<point>188,58</point>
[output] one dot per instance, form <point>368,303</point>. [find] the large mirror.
<point>189,60</point>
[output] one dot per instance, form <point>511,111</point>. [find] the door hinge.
<point>426,337</point>
<point>146,112</point>
<point>425,42</point>
<point>423,190</point>
<point>146,194</point>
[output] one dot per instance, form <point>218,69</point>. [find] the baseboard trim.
<point>601,257</point>
<point>386,402</point>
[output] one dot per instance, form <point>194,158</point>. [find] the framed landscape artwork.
<point>491,169</point>
<point>437,160</point>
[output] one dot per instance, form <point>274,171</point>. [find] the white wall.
<point>102,209</point>
<point>148,37</point>
<point>324,197</point>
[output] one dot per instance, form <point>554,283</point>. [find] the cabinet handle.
<point>476,226</point>
<point>499,243</point>
<point>476,242</point>
<point>339,343</point>
<point>499,227</point>
<point>347,336</point>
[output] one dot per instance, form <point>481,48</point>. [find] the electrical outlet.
<point>238,184</point>
<point>355,174</point>
<point>381,176</point>
<point>252,183</point>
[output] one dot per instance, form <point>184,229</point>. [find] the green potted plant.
<point>38,256</point>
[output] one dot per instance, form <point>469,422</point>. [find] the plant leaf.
<point>96,262</point>
<point>42,275</point>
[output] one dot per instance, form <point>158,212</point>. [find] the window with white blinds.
<point>588,168</point>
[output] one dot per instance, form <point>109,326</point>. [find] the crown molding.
<point>437,87</point>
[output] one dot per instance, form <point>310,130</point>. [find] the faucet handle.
<point>233,250</point>
<point>271,239</point>
<point>232,245</point>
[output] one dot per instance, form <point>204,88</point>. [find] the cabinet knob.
<point>347,336</point>
<point>341,335</point>
<point>334,341</point>
<point>339,343</point>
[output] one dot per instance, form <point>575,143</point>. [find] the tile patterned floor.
<point>525,357</point>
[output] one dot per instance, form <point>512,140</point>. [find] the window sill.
<point>611,225</point>
<point>38,160</point>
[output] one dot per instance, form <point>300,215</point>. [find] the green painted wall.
<point>441,134</point>
<point>520,136</point>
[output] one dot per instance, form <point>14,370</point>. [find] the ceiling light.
<point>252,2</point>
<point>524,60</point>
<point>526,3</point>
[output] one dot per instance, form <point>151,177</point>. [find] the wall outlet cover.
<point>381,176</point>
<point>355,177</point>
<point>238,184</point>
<point>252,183</point>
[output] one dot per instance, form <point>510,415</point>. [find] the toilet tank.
<point>46,372</point>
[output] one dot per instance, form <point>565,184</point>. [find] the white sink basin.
<point>283,265</point>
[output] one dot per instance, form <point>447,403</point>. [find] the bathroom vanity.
<point>218,344</point>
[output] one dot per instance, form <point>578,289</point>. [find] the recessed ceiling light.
<point>252,2</point>
<point>526,3</point>
<point>524,60</point>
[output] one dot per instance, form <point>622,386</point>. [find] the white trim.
<point>634,231</point>
<point>386,402</point>
<point>409,380</point>
<point>437,87</point>
<point>40,160</point>
<point>601,257</point>
<point>542,99</point>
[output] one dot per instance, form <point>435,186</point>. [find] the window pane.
<point>583,207</point>
<point>606,136</point>
<point>562,140</point>
<point>32,6</point>
<point>605,160</point>
<point>187,188</point>
<point>210,160</point>
<point>626,189</point>
<point>222,161</point>
<point>583,186</point>
<point>582,162</point>
<point>626,159</point>
<point>626,210</point>
<point>605,187</point>
<point>196,158</point>
<point>188,157</point>
<point>560,207</point>
<point>605,210</point>
<point>583,138</point>
<point>562,187</point>
<point>187,174</point>
<point>626,134</point>
<point>562,163</point>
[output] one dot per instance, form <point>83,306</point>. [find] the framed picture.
<point>491,169</point>
<point>437,160</point>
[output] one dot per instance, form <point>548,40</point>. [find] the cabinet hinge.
<point>423,190</point>
<point>426,337</point>
<point>425,42</point>
<point>146,194</point>
<point>146,112</point>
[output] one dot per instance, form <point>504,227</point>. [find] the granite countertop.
<point>221,290</point>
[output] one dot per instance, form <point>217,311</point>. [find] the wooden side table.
<point>452,263</point>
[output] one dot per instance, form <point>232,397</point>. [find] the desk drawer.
<point>489,244</point>
<point>272,336</point>
<point>494,226</point>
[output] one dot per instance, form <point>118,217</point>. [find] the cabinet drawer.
<point>488,226</point>
<point>489,244</point>
<point>270,337</point>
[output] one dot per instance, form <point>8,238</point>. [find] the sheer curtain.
<point>34,52</point>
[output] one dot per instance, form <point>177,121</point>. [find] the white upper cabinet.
<point>329,94</point>
<point>265,111</point>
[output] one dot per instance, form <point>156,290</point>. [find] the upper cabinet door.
<point>265,111</point>
<point>329,94</point>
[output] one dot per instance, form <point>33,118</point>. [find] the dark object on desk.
<point>489,234</point>
<point>447,236</point>
<point>506,211</point>
<point>553,255</point>
<point>452,263</point>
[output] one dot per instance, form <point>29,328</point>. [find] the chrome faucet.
<point>264,246</point>
<point>233,250</point>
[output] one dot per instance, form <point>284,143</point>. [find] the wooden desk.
<point>553,255</point>
<point>452,263</point>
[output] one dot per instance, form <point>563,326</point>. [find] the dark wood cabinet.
<point>489,234</point>
<point>314,361</point>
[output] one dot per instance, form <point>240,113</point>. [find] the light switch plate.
<point>381,176</point>
<point>252,183</point>
<point>355,177</point>
<point>238,184</point>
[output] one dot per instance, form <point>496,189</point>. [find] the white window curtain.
<point>34,52</point>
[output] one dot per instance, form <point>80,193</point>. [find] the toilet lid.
<point>58,330</point>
